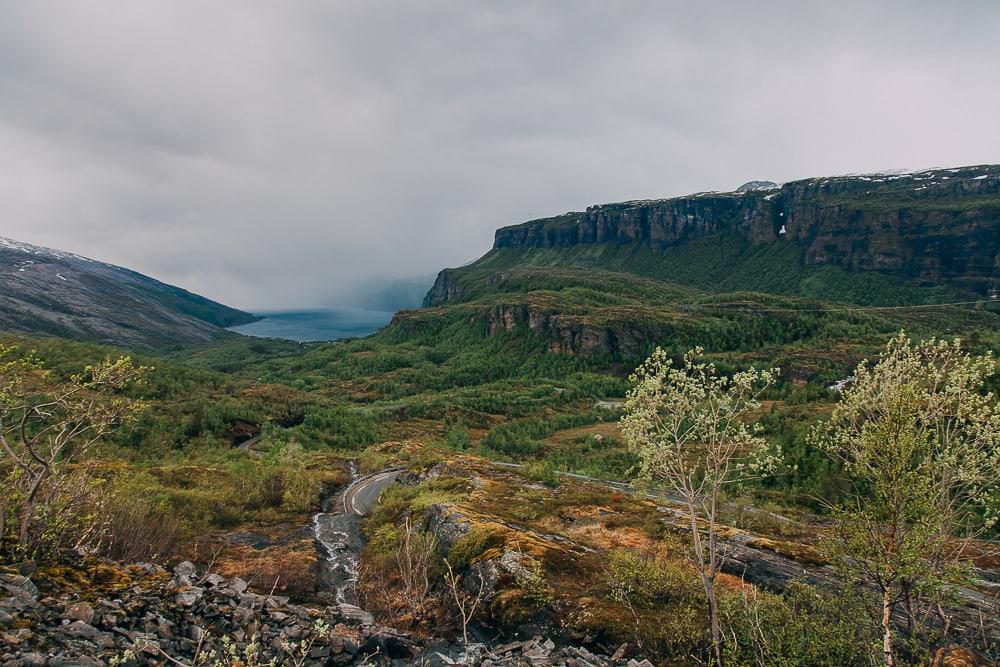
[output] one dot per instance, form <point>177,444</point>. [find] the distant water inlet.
<point>317,325</point>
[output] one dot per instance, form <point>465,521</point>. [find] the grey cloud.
<point>272,154</point>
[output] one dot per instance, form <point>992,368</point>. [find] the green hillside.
<point>722,263</point>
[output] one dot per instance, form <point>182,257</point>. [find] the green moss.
<point>466,549</point>
<point>399,500</point>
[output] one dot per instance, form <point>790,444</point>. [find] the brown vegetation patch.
<point>601,537</point>
<point>91,579</point>
<point>982,554</point>
<point>802,553</point>
<point>289,569</point>
<point>602,429</point>
<point>731,582</point>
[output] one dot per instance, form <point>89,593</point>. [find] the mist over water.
<point>317,325</point>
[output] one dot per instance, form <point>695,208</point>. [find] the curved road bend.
<point>363,493</point>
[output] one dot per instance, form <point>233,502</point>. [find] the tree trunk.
<point>887,597</point>
<point>887,628</point>
<point>26,517</point>
<point>713,570</point>
<point>706,567</point>
<point>29,511</point>
<point>713,617</point>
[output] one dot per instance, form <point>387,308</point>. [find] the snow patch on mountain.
<point>757,185</point>
<point>19,246</point>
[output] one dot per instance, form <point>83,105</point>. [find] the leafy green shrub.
<point>509,442</point>
<point>521,439</point>
<point>646,580</point>
<point>339,428</point>
<point>457,438</point>
<point>805,627</point>
<point>542,471</point>
<point>398,500</point>
<point>638,592</point>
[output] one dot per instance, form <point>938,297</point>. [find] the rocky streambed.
<point>339,539</point>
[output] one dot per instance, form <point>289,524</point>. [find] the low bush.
<point>137,524</point>
<point>542,471</point>
<point>470,546</point>
<point>805,627</point>
<point>638,592</point>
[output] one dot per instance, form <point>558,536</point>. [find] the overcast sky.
<point>269,154</point>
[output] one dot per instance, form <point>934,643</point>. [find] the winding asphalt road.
<point>246,447</point>
<point>364,492</point>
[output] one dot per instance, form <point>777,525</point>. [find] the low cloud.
<point>271,155</point>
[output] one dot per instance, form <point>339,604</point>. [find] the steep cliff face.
<point>934,227</point>
<point>568,334</point>
<point>616,278</point>
<point>445,288</point>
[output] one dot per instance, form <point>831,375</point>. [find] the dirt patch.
<point>603,429</point>
<point>612,538</point>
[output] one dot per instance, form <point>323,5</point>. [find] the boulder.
<point>243,616</point>
<point>80,611</point>
<point>273,601</point>
<point>447,525</point>
<point>238,585</point>
<point>185,569</point>
<point>189,597</point>
<point>19,586</point>
<point>357,614</point>
<point>81,629</point>
<point>392,644</point>
<point>485,573</point>
<point>518,564</point>
<point>214,580</point>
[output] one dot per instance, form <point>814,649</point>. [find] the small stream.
<point>339,535</point>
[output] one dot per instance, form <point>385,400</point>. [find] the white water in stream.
<point>337,532</point>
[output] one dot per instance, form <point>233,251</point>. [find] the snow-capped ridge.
<point>30,249</point>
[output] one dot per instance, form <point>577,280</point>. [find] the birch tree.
<point>691,429</point>
<point>919,437</point>
<point>46,426</point>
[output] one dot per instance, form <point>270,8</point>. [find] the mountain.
<point>49,292</point>
<point>933,234</point>
<point>821,260</point>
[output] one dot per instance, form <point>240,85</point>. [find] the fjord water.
<point>316,325</point>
